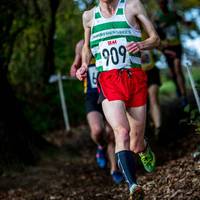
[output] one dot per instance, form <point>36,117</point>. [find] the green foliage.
<point>44,112</point>
<point>195,74</point>
<point>42,102</point>
<point>75,101</point>
<point>187,4</point>
<point>179,4</point>
<point>69,32</point>
<point>26,64</point>
<point>167,87</point>
<point>193,116</point>
<point>198,128</point>
<point>31,21</point>
<point>193,111</point>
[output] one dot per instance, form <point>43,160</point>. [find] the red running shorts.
<point>128,85</point>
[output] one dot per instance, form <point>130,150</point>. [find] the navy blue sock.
<point>126,163</point>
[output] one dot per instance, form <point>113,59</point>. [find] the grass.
<point>168,87</point>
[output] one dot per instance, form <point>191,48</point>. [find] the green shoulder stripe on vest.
<point>129,39</point>
<point>97,15</point>
<point>110,25</point>
<point>122,1</point>
<point>120,11</point>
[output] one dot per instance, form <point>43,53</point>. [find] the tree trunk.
<point>49,62</point>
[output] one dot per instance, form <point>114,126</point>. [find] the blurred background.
<point>37,40</point>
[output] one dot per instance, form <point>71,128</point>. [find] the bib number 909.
<point>114,55</point>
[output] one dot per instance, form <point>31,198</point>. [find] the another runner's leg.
<point>95,121</point>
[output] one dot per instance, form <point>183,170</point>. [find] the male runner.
<point>153,76</point>
<point>112,34</point>
<point>167,26</point>
<point>95,117</point>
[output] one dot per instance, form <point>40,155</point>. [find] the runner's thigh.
<point>115,113</point>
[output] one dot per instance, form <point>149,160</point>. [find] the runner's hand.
<point>133,47</point>
<point>81,73</point>
<point>73,70</point>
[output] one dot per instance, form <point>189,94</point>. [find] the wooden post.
<point>193,85</point>
<point>63,104</point>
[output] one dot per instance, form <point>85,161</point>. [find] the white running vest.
<point>109,37</point>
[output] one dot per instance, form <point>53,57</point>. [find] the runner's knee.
<point>122,134</point>
<point>96,131</point>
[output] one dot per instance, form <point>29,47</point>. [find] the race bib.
<point>92,71</point>
<point>114,54</point>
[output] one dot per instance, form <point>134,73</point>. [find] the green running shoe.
<point>136,193</point>
<point>148,159</point>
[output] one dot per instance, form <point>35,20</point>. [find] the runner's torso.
<point>169,27</point>
<point>109,37</point>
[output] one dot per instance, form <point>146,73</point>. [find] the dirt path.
<point>72,174</point>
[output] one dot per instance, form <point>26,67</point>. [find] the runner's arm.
<point>153,39</point>
<point>77,60</point>
<point>86,52</point>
